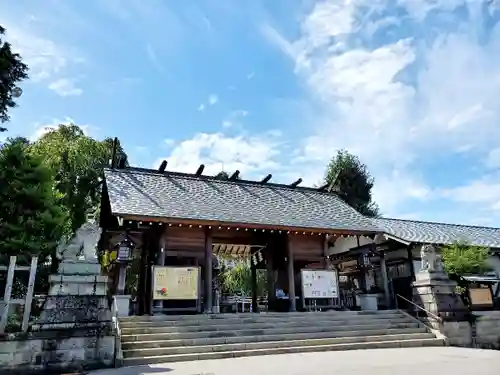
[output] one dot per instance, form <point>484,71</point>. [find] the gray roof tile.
<point>178,196</point>
<point>439,233</point>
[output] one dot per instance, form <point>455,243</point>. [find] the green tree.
<point>31,220</point>
<point>77,160</point>
<point>237,279</point>
<point>12,71</point>
<point>351,181</point>
<point>461,259</point>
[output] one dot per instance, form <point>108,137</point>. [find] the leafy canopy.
<point>31,220</point>
<point>237,279</point>
<point>77,161</point>
<point>352,182</point>
<point>461,259</point>
<point>12,71</point>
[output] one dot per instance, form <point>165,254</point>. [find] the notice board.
<point>319,283</point>
<point>176,283</point>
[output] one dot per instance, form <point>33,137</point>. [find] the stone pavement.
<point>408,361</point>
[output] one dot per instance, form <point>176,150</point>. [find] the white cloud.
<point>201,108</point>
<point>252,155</point>
<point>398,103</point>
<point>46,58</point>
<point>227,124</point>
<point>65,87</point>
<point>493,159</point>
<point>213,99</point>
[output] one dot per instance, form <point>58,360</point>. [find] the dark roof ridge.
<point>213,178</point>
<point>436,222</point>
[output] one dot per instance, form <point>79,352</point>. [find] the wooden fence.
<point>7,302</point>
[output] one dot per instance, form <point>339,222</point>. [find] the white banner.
<point>319,283</point>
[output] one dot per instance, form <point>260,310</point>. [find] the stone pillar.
<point>208,271</point>
<point>385,280</point>
<point>160,261</point>
<point>434,291</point>
<point>291,276</point>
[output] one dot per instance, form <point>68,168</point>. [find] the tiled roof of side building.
<point>439,233</point>
<point>147,193</point>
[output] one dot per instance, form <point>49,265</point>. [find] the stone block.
<point>79,268</point>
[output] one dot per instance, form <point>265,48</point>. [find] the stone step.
<point>133,361</point>
<point>153,352</point>
<point>224,326</point>
<point>128,345</point>
<point>283,315</point>
<point>158,334</point>
<point>257,319</point>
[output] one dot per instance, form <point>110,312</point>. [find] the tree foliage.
<point>352,182</point>
<point>77,160</point>
<point>12,71</point>
<point>237,280</point>
<point>461,259</point>
<point>31,219</point>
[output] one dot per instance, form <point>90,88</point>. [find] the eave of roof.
<point>414,231</point>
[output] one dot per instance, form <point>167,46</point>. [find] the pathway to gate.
<point>410,361</point>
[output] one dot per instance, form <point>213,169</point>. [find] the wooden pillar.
<point>208,271</point>
<point>385,280</point>
<point>291,276</point>
<point>7,294</point>
<point>271,293</point>
<point>410,260</point>
<point>255,306</point>
<point>328,263</point>
<point>160,261</point>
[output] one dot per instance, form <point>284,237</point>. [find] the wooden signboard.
<point>176,283</point>
<point>481,297</point>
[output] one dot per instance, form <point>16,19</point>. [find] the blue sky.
<point>277,86</point>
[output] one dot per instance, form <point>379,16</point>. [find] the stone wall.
<point>488,330</point>
<point>42,351</point>
<point>483,333</point>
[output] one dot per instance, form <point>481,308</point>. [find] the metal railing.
<point>418,310</point>
<point>118,335</point>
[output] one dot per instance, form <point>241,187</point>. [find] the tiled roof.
<point>438,233</point>
<point>137,192</point>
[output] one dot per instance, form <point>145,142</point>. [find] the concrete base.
<point>436,293</point>
<point>122,304</point>
<point>368,302</point>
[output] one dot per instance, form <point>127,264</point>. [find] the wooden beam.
<point>200,169</point>
<point>163,166</point>
<point>266,179</point>
<point>234,176</point>
<point>323,187</point>
<point>250,226</point>
<point>296,183</point>
<point>121,162</point>
<point>113,152</point>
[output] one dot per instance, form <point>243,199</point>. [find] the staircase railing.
<point>118,355</point>
<point>417,310</point>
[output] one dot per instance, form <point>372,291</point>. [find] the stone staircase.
<point>158,339</point>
